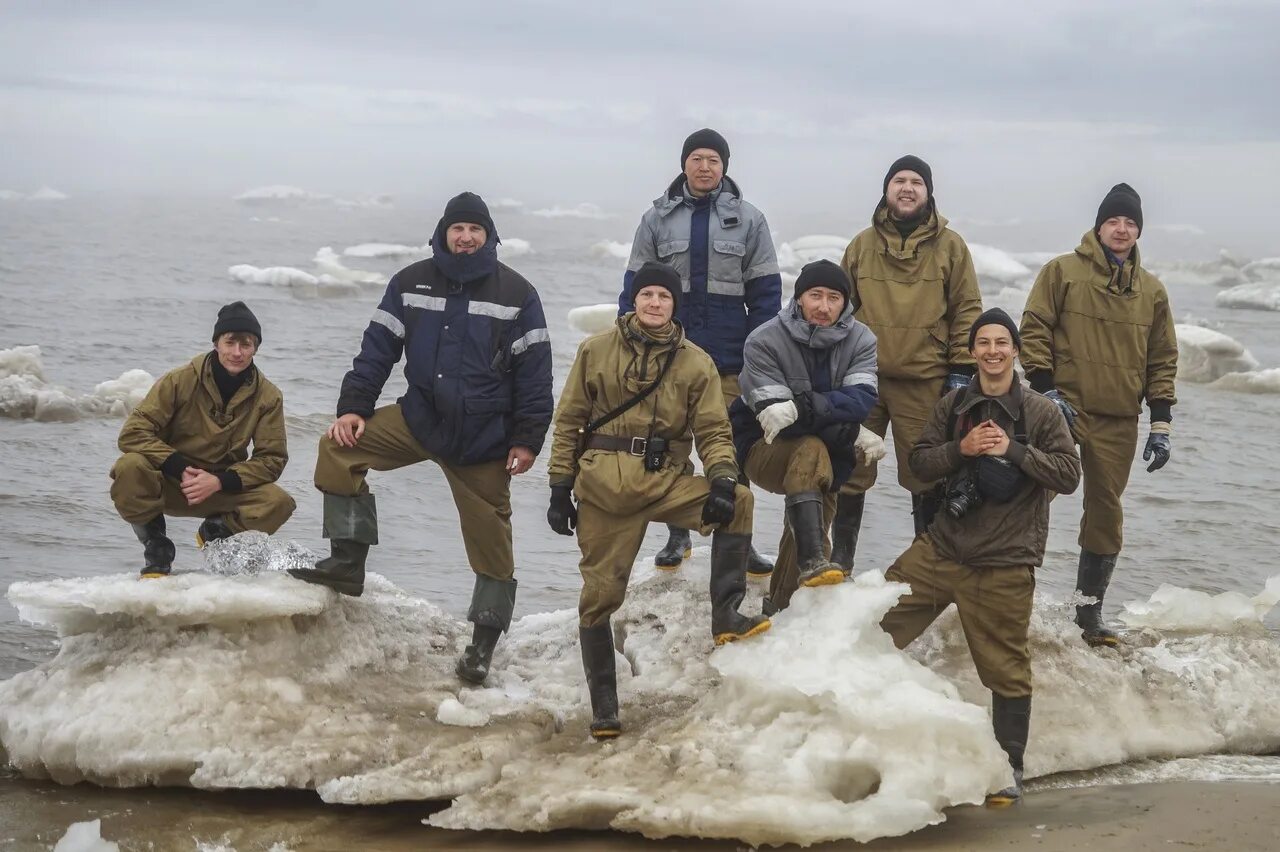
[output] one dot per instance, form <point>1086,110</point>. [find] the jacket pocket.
<point>486,428</point>
<point>724,275</point>
<point>671,247</point>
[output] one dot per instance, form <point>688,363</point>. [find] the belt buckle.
<point>642,443</point>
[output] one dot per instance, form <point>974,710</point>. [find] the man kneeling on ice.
<point>637,399</point>
<point>186,447</point>
<point>1001,451</point>
<point>808,383</point>
<point>478,363</point>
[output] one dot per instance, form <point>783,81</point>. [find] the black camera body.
<point>960,495</point>
<point>655,454</point>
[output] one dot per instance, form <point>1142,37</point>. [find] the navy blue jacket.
<point>477,358</point>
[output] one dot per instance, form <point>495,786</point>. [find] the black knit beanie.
<point>995,316</point>
<point>823,273</point>
<point>1120,201</point>
<point>909,163</point>
<point>236,317</point>
<point>705,138</point>
<point>466,207</point>
<point>653,274</point>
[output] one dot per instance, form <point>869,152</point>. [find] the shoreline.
<point>1207,815</point>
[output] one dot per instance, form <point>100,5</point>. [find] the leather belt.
<point>618,443</point>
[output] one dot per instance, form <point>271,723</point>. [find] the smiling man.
<point>186,447</point>
<point>1003,452</point>
<point>808,383</point>
<point>914,285</point>
<point>1099,339</point>
<point>478,364</point>
<point>720,246</point>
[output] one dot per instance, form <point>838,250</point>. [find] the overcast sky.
<point>1028,111</point>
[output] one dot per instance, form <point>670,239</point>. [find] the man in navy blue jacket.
<point>478,363</point>
<point>722,249</point>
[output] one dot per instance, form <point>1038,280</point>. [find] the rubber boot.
<point>492,603</point>
<point>602,679</point>
<point>351,525</point>
<point>1092,579</point>
<point>804,514</point>
<point>678,548</point>
<point>923,508</point>
<point>213,528</point>
<point>157,549</point>
<point>1011,720</point>
<point>845,528</point>
<point>767,608</point>
<point>728,586</point>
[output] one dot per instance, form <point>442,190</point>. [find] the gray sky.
<point>1028,112</point>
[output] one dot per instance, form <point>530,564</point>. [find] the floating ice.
<point>47,193</point>
<point>1205,354</point>
<point>592,319</point>
<point>329,263</point>
<point>506,204</point>
<point>275,276</point>
<point>25,395</point>
<point>611,249</point>
<point>1000,267</point>
<point>284,195</point>
<point>367,250</point>
<point>1224,271</point>
<point>585,210</point>
<point>793,255</point>
<point>85,837</point>
<point>1256,381</point>
<point>1258,297</point>
<point>11,195</point>
<point>1173,608</point>
<point>513,247</point>
<point>818,729</point>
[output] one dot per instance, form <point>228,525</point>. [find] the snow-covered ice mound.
<point>817,730</point>
<point>1205,354</point>
<point>592,319</point>
<point>25,395</point>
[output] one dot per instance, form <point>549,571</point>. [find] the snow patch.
<point>585,210</point>
<point>592,319</point>
<point>85,837</point>
<point>1172,608</point>
<point>25,395</point>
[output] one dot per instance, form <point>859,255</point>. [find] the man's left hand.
<point>1002,442</point>
<point>1158,446</point>
<point>519,460</point>
<point>199,485</point>
<point>720,505</point>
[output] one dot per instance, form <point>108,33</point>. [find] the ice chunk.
<point>1175,608</point>
<point>23,361</point>
<point>506,204</point>
<point>1205,354</point>
<point>85,837</point>
<point>47,193</point>
<point>367,250</point>
<point>329,263</point>
<point>11,195</point>
<point>612,249</point>
<point>585,210</point>
<point>513,247</point>
<point>1258,297</point>
<point>592,319</point>
<point>25,395</point>
<point>1255,381</point>
<point>279,194</point>
<point>276,276</point>
<point>793,255</point>
<point>1000,267</point>
<point>453,712</point>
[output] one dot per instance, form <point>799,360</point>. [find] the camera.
<point>961,494</point>
<point>655,453</point>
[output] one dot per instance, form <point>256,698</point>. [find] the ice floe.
<point>1205,354</point>
<point>585,210</point>
<point>25,395</point>
<point>1173,608</point>
<point>284,195</point>
<point>85,837</point>
<point>592,319</point>
<point>611,249</point>
<point>368,250</point>
<point>1254,296</point>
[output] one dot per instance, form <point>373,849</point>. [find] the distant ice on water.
<point>25,395</point>
<point>593,319</point>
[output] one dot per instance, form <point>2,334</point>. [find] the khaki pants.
<point>1107,445</point>
<point>907,405</point>
<point>792,466</point>
<point>994,606</point>
<point>140,492</point>
<point>609,542</point>
<point>481,492</point>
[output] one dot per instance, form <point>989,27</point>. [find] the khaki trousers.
<point>1107,445</point>
<point>481,492</point>
<point>906,405</point>
<point>609,542</point>
<point>140,492</point>
<point>994,606</point>
<point>792,466</point>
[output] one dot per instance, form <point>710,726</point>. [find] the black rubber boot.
<point>1092,579</point>
<point>923,508</point>
<point>157,549</point>
<point>213,528</point>
<point>678,548</point>
<point>602,679</point>
<point>845,528</point>
<point>804,514</point>
<point>758,568</point>
<point>728,586</point>
<point>767,609</point>
<point>1011,720</point>
<point>351,525</point>
<point>492,603</point>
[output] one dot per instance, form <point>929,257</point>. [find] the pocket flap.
<point>670,247</point>
<point>730,247</point>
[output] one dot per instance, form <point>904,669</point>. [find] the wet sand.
<point>1187,815</point>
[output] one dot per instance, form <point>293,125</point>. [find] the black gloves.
<point>1065,407</point>
<point>562,515</point>
<point>839,437</point>
<point>720,503</point>
<point>1158,446</point>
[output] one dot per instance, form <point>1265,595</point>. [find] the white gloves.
<point>777,417</point>
<point>871,444</point>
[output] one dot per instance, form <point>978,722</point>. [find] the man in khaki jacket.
<point>1003,451</point>
<point>637,400</point>
<point>1098,338</point>
<point>915,287</point>
<point>186,447</point>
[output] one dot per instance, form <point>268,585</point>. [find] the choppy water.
<point>104,287</point>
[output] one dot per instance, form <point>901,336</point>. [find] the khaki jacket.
<point>919,295</point>
<point>999,535</point>
<point>1103,333</point>
<point>183,413</point>
<point>687,408</point>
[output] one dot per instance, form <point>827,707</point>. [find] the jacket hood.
<point>934,223</point>
<point>1093,252</point>
<point>816,336</point>
<point>728,194</point>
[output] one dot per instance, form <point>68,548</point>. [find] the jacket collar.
<point>815,336</point>
<point>1011,402</point>
<point>1123,279</point>
<point>894,244</point>
<point>726,200</point>
<point>203,365</point>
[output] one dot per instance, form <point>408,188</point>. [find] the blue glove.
<point>1158,446</point>
<point>562,515</point>
<point>720,503</point>
<point>1054,396</point>
<point>954,380</point>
